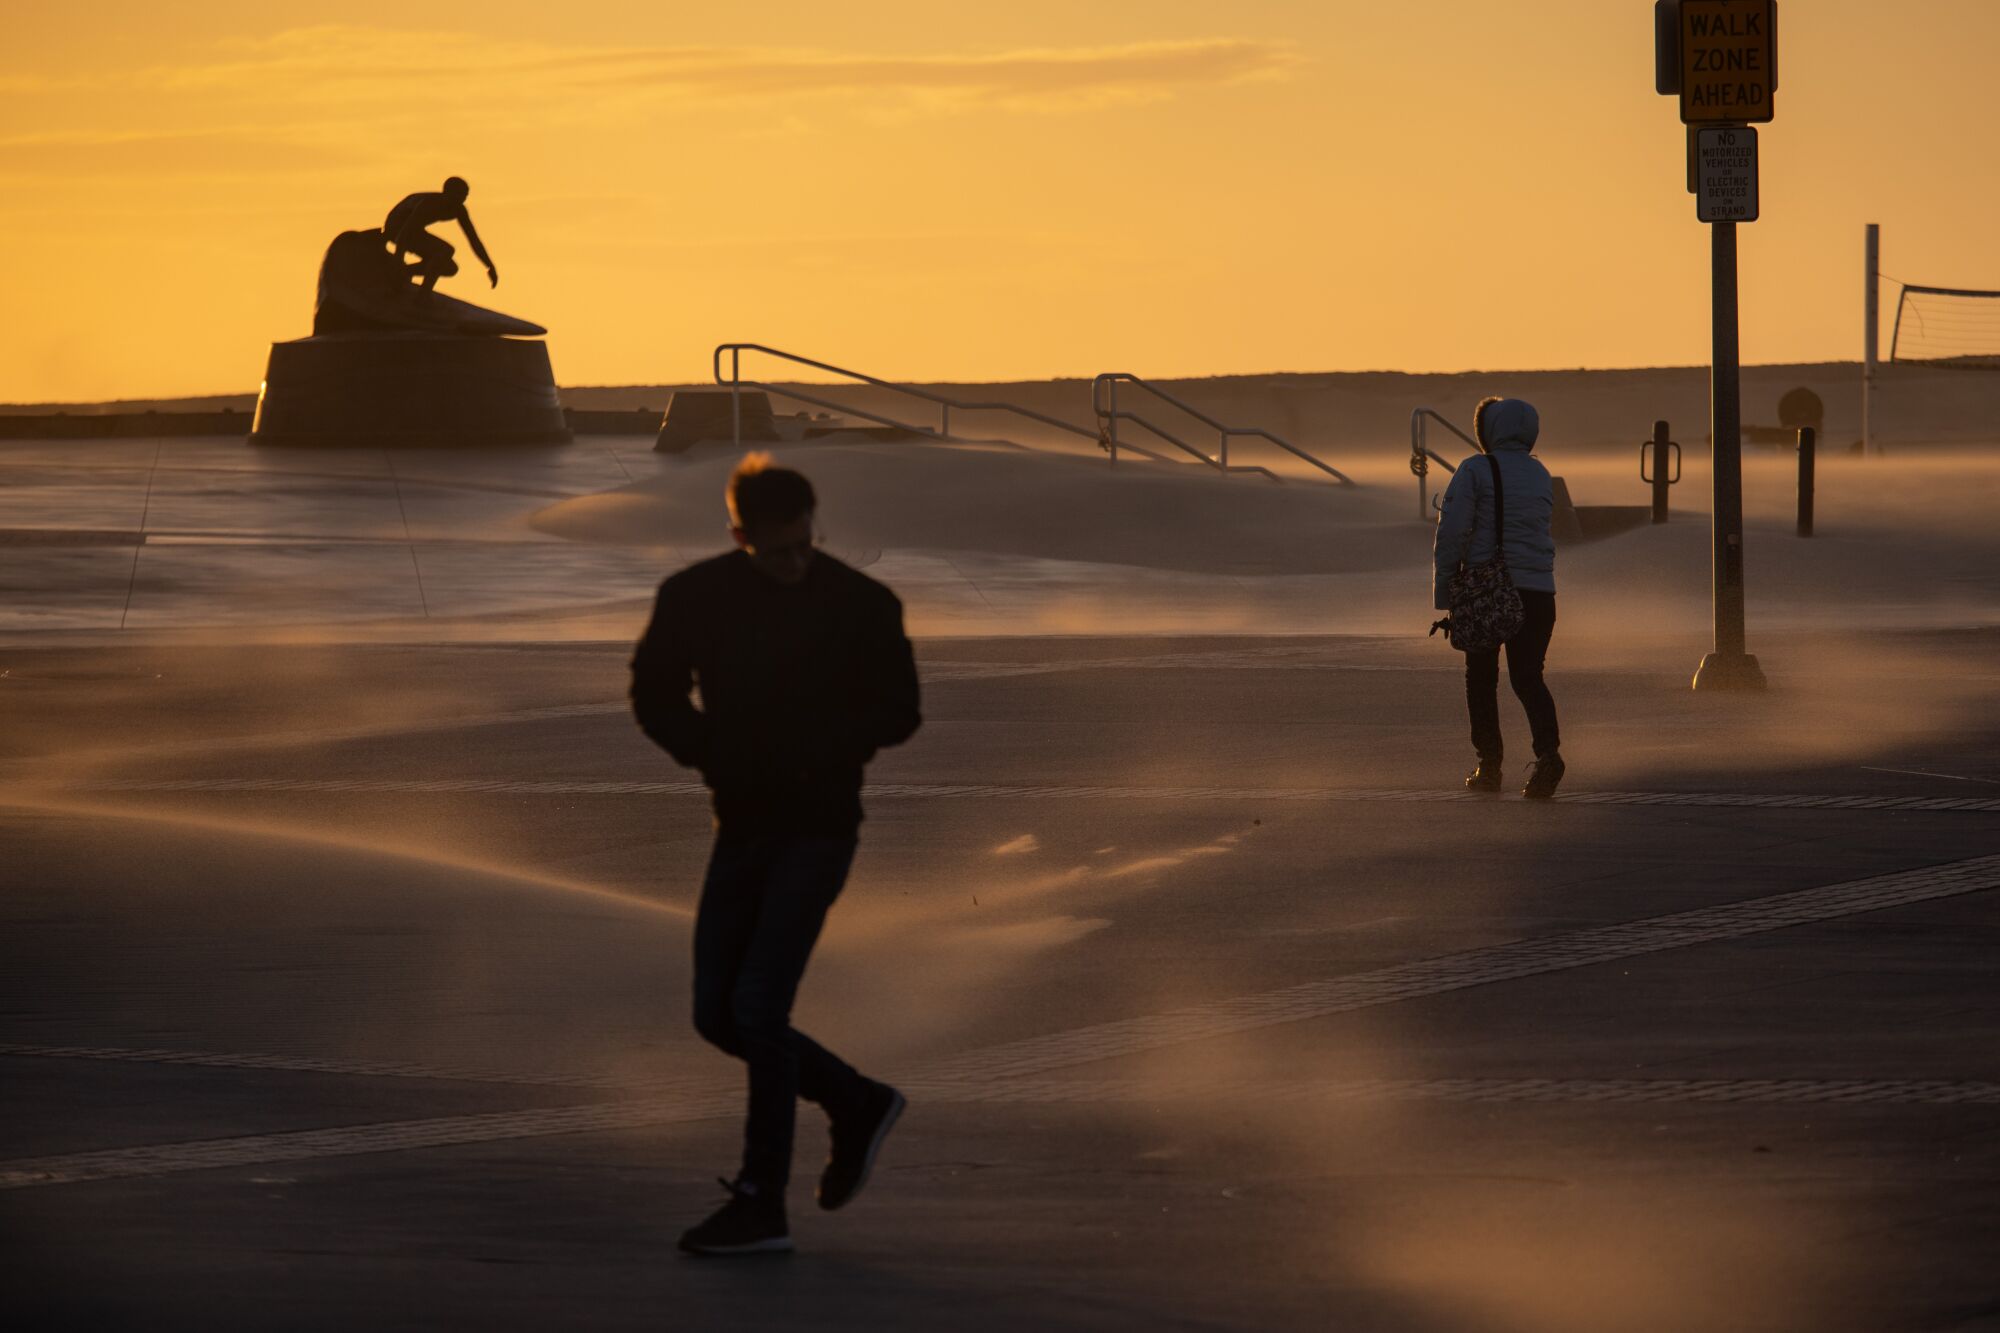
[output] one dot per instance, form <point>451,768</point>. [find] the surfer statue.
<point>408,226</point>
<point>367,285</point>
<point>393,363</point>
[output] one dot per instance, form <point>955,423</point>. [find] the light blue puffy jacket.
<point>1465,528</point>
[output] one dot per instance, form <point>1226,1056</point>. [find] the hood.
<point>1511,424</point>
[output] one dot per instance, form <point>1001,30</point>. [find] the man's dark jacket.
<point>800,685</point>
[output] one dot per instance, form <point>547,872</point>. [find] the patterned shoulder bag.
<point>1485,606</point>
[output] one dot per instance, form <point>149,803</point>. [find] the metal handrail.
<point>1109,416</point>
<point>1112,445</point>
<point>1422,455</point>
<point>942,431</point>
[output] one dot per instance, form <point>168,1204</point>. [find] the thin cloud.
<point>221,152</point>
<point>350,65</point>
<point>1039,80</point>
<point>333,97</point>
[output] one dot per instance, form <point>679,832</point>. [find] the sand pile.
<point>1077,545</point>
<point>1006,502</point>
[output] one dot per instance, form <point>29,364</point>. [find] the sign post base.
<point>1729,671</point>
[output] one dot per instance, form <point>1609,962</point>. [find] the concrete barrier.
<point>695,415</point>
<point>121,425</point>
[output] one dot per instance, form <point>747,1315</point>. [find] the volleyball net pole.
<point>1871,337</point>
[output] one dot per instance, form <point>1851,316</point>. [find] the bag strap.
<point>1499,514</point>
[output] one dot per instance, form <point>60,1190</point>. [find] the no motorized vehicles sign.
<point>1726,175</point>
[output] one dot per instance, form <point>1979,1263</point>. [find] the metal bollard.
<point>1660,479</point>
<point>1808,457</point>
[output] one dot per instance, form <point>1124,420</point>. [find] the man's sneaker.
<point>856,1140</point>
<point>1542,779</point>
<point>749,1223</point>
<point>1484,778</point>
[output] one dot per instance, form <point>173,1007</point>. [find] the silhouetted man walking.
<point>804,673</point>
<point>407,224</point>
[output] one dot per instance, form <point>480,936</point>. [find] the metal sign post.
<point>1808,450</point>
<point>1721,58</point>
<point>1730,666</point>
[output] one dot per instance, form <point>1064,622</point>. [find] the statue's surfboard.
<point>362,288</point>
<point>410,306</point>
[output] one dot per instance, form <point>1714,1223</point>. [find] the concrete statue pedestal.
<point>409,390</point>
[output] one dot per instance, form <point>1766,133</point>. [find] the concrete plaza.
<point>343,958</point>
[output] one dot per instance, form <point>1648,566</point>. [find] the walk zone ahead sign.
<point>1729,61</point>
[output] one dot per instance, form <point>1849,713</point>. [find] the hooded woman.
<point>1506,430</point>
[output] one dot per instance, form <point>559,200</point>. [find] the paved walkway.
<point>343,957</point>
<point>345,985</point>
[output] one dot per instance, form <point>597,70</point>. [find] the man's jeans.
<point>1527,651</point>
<point>762,905</point>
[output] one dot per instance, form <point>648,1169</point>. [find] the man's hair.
<point>456,185</point>
<point>761,493</point>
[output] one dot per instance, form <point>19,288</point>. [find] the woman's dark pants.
<point>762,905</point>
<point>1526,652</point>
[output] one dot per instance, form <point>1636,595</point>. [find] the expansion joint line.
<point>1975,805</point>
<point>408,540</point>
<point>1009,1070</point>
<point>145,510</point>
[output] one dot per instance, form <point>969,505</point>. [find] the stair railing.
<point>945,404</point>
<point>1104,402</point>
<point>1422,455</point>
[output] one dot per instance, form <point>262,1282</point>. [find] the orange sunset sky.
<point>938,191</point>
